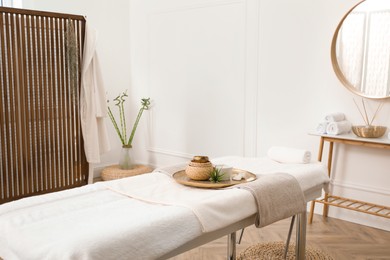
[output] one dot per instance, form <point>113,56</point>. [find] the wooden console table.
<point>332,200</point>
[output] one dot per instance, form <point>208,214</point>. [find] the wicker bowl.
<point>199,169</point>
<point>369,131</point>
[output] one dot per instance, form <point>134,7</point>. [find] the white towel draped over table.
<point>309,176</point>
<point>214,208</point>
<point>92,222</point>
<point>141,217</point>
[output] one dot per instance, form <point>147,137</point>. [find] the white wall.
<point>113,26</point>
<point>298,87</point>
<point>233,77</point>
<point>199,62</point>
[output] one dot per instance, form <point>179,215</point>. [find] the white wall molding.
<point>246,11</point>
<point>251,77</point>
<point>359,187</point>
<point>187,7</point>
<point>171,153</point>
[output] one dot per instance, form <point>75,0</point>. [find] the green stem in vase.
<point>145,102</point>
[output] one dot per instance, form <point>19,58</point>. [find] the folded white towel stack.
<point>321,127</point>
<point>289,155</point>
<point>335,117</point>
<point>337,128</point>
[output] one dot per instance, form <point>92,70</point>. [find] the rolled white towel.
<point>321,127</point>
<point>289,155</point>
<point>388,135</point>
<point>338,128</point>
<point>335,117</point>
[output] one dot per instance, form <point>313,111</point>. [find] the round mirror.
<point>360,49</point>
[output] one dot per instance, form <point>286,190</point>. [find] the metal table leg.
<point>242,233</point>
<point>288,237</point>
<point>231,248</point>
<point>300,248</point>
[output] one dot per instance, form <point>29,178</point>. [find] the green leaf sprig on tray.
<point>121,128</point>
<point>216,175</point>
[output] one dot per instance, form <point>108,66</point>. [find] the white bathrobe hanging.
<point>93,106</point>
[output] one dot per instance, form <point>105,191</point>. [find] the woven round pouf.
<point>275,251</point>
<point>114,172</point>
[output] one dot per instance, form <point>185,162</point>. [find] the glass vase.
<point>125,160</point>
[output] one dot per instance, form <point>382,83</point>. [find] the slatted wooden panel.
<point>41,146</point>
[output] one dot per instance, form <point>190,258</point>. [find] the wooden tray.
<point>182,178</point>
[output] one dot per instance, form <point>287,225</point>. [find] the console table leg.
<point>326,207</point>
<point>330,157</point>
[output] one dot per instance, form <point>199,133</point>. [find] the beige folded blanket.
<point>278,196</point>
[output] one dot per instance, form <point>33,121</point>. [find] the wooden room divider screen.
<point>41,146</point>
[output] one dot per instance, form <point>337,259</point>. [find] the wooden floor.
<point>340,239</point>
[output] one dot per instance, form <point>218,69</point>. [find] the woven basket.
<point>275,251</point>
<point>115,172</point>
<point>199,171</point>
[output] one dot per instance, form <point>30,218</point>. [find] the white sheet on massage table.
<point>92,223</point>
<point>95,223</point>
<point>309,175</point>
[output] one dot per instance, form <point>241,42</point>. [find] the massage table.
<point>136,217</point>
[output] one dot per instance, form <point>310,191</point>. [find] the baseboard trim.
<point>171,153</point>
<point>359,187</point>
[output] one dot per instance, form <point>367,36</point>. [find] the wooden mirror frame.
<point>336,66</point>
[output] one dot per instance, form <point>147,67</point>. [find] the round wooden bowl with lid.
<point>199,168</point>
